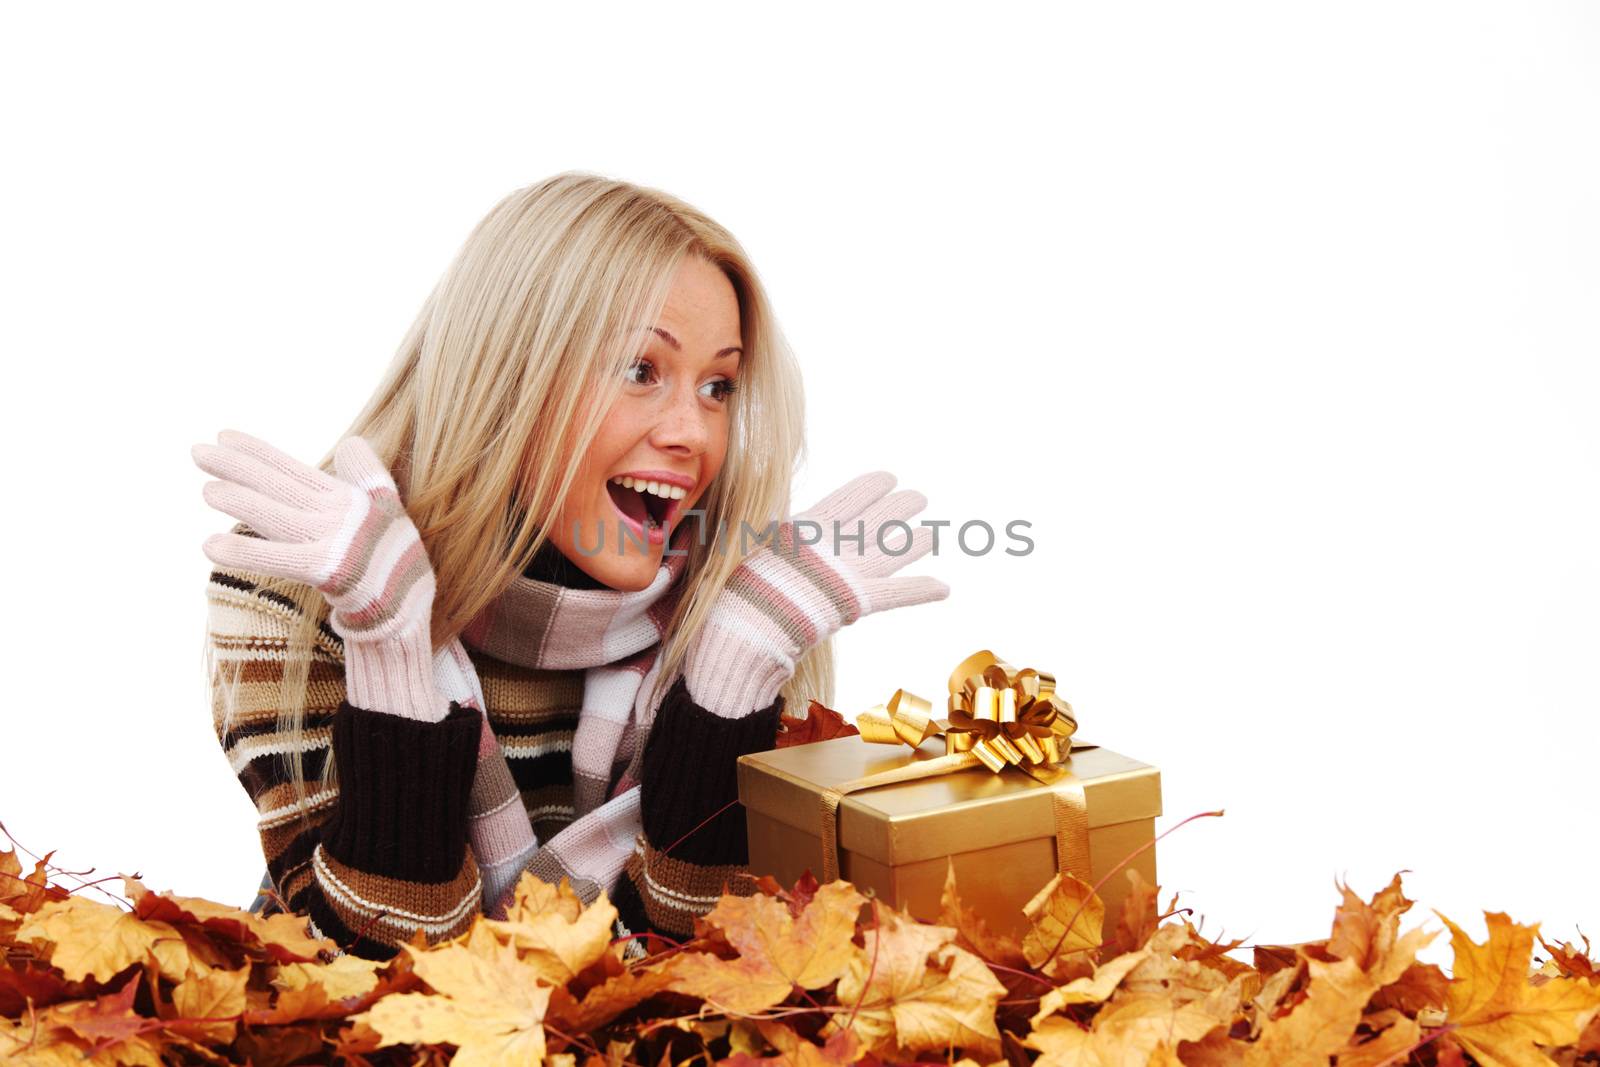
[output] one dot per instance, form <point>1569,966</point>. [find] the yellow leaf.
<point>1091,989</point>
<point>1396,1033</point>
<point>1129,1031</point>
<point>97,940</point>
<point>1320,1025</point>
<point>776,951</point>
<point>558,945</point>
<point>214,995</point>
<point>490,1007</point>
<point>346,976</point>
<point>1498,1016</point>
<point>911,989</point>
<point>1369,933</point>
<point>534,897</point>
<point>1067,917</point>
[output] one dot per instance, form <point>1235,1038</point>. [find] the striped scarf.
<point>613,638</point>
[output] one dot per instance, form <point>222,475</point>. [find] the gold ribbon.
<point>999,717</point>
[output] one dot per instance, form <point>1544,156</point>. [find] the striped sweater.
<point>386,853</point>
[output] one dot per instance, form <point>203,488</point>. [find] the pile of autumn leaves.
<point>811,975</point>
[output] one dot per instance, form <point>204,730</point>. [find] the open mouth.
<point>644,507</point>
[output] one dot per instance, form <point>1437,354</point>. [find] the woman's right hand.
<point>347,536</point>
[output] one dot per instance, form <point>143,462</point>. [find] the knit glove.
<point>786,597</point>
<point>350,538</point>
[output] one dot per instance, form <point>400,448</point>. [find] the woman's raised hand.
<point>349,537</point>
<point>825,568</point>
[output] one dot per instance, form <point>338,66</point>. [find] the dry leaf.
<point>489,1004</point>
<point>1497,1014</point>
<point>1067,917</point>
<point>912,989</point>
<point>90,939</point>
<point>777,951</point>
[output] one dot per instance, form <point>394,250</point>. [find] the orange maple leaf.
<point>777,951</point>
<point>1497,1014</point>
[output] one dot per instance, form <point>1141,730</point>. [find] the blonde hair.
<point>503,380</point>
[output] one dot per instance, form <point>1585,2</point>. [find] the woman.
<point>524,602</point>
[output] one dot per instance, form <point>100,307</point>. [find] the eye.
<point>725,388</point>
<point>634,368</point>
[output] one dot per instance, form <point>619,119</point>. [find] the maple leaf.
<point>912,988</point>
<point>557,944</point>
<point>346,976</point>
<point>534,897</point>
<point>213,996</point>
<point>281,938</point>
<point>1498,1016</point>
<point>777,951</point>
<point>820,724</point>
<point>1570,962</point>
<point>105,1022</point>
<point>1321,1024</point>
<point>1066,917</point>
<point>1140,914</point>
<point>1132,1030</point>
<point>89,939</point>
<point>1393,1033</point>
<point>1091,989</point>
<point>1369,933</point>
<point>488,1003</point>
<point>617,994</point>
<point>21,895</point>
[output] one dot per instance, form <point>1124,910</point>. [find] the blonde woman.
<point>530,609</point>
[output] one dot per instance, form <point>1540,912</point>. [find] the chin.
<point>632,577</point>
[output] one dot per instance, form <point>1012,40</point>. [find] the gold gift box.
<point>999,829</point>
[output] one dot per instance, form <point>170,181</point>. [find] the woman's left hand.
<point>787,597</point>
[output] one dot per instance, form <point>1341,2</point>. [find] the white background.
<point>1278,322</point>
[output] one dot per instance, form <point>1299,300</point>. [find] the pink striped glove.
<point>787,597</point>
<point>349,537</point>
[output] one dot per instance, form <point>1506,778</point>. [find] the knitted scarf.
<point>613,637</point>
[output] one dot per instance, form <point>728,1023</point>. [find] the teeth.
<point>661,489</point>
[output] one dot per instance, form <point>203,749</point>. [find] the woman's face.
<point>669,428</point>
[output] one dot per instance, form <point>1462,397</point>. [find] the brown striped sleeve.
<point>694,828</point>
<point>380,854</point>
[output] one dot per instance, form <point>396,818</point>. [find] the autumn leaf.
<point>1392,1034</point>
<point>557,944</point>
<point>911,988</point>
<point>282,938</point>
<point>1570,962</point>
<point>534,898</point>
<point>1130,1031</point>
<point>1322,1023</point>
<point>1091,989</point>
<point>1369,933</point>
<point>1067,917</point>
<point>777,951</point>
<point>212,996</point>
<point>90,939</point>
<point>487,1003</point>
<point>617,994</point>
<point>820,724</point>
<point>1138,919</point>
<point>346,976</point>
<point>1497,1014</point>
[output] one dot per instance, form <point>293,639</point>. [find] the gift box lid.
<point>918,820</point>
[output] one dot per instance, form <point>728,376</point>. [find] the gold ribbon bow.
<point>999,717</point>
<point>1002,715</point>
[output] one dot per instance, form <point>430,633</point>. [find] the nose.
<point>684,428</point>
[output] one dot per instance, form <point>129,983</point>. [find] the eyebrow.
<point>676,347</point>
